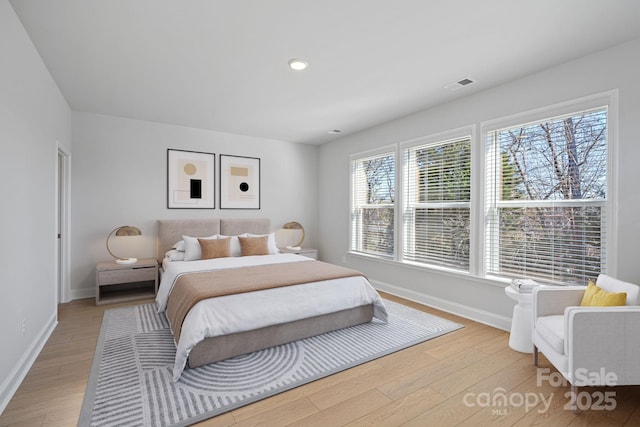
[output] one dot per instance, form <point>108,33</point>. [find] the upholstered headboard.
<point>171,231</point>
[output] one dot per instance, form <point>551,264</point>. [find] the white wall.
<point>119,177</point>
<point>618,67</point>
<point>33,116</point>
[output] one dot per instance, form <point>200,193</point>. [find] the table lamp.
<point>294,226</point>
<point>125,230</point>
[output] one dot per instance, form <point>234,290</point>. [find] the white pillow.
<point>192,250</point>
<point>271,243</point>
<point>179,246</point>
<point>236,250</point>
<point>174,255</point>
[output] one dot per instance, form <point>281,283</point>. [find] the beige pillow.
<point>215,248</point>
<point>254,245</point>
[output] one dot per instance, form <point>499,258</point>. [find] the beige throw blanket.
<point>191,288</point>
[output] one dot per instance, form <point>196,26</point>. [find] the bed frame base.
<point>219,348</point>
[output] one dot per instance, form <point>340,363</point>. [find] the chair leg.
<point>574,399</point>
<point>535,355</point>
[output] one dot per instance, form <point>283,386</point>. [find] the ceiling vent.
<point>459,84</point>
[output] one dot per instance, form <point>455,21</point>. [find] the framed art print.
<point>239,182</point>
<point>190,180</point>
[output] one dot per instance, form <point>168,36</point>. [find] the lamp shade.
<point>125,230</point>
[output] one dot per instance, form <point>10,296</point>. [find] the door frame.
<point>62,223</point>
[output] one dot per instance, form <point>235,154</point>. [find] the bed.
<point>229,325</point>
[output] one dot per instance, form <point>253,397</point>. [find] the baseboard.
<point>82,293</point>
<point>467,312</point>
<point>17,374</point>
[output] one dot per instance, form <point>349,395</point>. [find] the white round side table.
<point>522,321</point>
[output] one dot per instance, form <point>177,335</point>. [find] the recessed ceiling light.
<point>298,64</point>
<point>334,131</point>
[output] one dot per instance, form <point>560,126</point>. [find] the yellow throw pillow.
<point>215,248</point>
<point>589,293</point>
<point>595,296</point>
<point>254,245</point>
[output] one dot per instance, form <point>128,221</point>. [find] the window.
<point>546,198</point>
<point>534,196</point>
<point>437,196</point>
<point>373,204</point>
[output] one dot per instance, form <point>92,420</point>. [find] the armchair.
<point>589,346</point>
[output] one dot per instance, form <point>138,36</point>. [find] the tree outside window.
<point>546,198</point>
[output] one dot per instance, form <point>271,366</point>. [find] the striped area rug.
<point>130,381</point>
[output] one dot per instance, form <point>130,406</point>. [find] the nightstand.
<point>126,282</point>
<point>308,252</point>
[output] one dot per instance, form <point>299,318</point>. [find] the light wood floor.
<point>442,382</point>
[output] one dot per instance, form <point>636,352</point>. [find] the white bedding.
<point>243,312</point>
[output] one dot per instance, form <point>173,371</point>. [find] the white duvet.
<point>247,311</point>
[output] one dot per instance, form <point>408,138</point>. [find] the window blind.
<point>546,199</point>
<point>437,199</point>
<point>373,204</point>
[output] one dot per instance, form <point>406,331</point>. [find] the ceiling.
<point>222,65</point>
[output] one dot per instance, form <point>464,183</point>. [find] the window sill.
<point>491,281</point>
